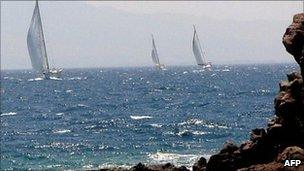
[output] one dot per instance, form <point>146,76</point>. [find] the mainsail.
<point>197,50</point>
<point>36,43</point>
<point>154,53</point>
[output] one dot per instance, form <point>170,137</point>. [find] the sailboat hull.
<point>206,66</point>
<point>56,72</point>
<point>161,67</point>
<point>52,73</point>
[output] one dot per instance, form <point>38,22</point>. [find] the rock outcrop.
<point>293,40</point>
<point>142,167</point>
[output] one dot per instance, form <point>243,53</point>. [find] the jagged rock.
<point>285,104</point>
<point>200,165</point>
<point>291,153</point>
<point>273,166</point>
<point>158,167</point>
<point>138,167</point>
<point>257,134</point>
<point>111,169</point>
<point>229,148</point>
<point>293,76</point>
<point>293,39</point>
<point>226,161</point>
<point>142,167</point>
<point>289,103</point>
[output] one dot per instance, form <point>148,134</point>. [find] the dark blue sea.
<point>94,118</point>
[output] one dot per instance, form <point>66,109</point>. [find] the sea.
<point>96,118</point>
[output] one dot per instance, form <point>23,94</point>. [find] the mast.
<point>154,46</point>
<point>155,56</point>
<point>47,61</point>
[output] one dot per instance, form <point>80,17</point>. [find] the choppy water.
<point>121,116</point>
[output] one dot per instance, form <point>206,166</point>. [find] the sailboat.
<point>154,56</point>
<point>37,49</point>
<point>198,52</point>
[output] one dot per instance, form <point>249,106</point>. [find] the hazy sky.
<point>107,34</point>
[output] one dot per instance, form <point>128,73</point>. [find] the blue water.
<point>121,116</point>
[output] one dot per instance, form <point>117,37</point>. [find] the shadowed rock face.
<point>293,39</point>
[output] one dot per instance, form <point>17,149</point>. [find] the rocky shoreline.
<point>267,149</point>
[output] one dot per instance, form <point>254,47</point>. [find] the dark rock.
<point>200,165</point>
<point>139,167</point>
<point>293,40</point>
<point>158,167</point>
<point>112,169</point>
<point>273,166</point>
<point>284,85</point>
<point>229,148</point>
<point>291,153</point>
<point>285,104</point>
<point>224,161</point>
<point>275,131</point>
<point>257,134</point>
<point>293,76</point>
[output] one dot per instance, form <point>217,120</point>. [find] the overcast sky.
<point>110,34</point>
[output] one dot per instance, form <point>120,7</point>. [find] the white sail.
<point>154,53</point>
<point>36,43</point>
<point>197,50</point>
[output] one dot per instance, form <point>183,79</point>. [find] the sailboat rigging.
<point>198,52</point>
<point>37,48</point>
<point>154,55</point>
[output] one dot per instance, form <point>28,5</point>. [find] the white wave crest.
<point>61,131</point>
<point>77,78</point>
<point>111,165</point>
<point>203,123</point>
<point>140,117</point>
<point>8,114</point>
<point>178,159</point>
<point>192,122</point>
<point>35,79</point>
<point>82,105</point>
<point>55,78</point>
<point>190,133</point>
<point>156,125</point>
<point>68,91</point>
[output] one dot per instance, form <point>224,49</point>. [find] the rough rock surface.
<point>293,39</point>
<point>142,167</point>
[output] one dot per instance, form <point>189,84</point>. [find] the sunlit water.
<point>121,116</point>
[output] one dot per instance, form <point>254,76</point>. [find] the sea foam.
<point>140,117</point>
<point>8,114</point>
